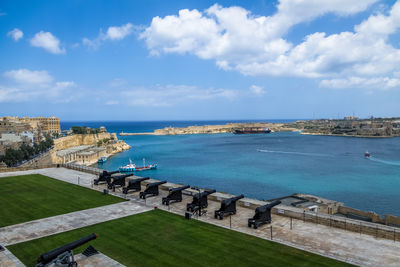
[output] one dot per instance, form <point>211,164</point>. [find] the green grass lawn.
<point>30,197</point>
<point>159,238</point>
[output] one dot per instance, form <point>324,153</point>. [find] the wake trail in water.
<point>388,162</point>
<point>293,153</point>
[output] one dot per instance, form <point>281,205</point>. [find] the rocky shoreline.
<point>371,128</point>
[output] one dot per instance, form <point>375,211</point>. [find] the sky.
<point>199,60</point>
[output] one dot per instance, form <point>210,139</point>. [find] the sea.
<point>266,166</point>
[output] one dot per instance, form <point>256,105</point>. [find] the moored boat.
<point>102,159</point>
<point>367,154</point>
<point>131,167</point>
<point>251,130</point>
<point>145,168</point>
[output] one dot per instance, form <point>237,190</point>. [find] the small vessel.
<point>131,167</point>
<point>251,130</point>
<point>102,159</point>
<point>145,168</point>
<point>367,154</point>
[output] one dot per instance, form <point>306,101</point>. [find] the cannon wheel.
<point>249,225</point>
<point>221,216</point>
<point>255,226</point>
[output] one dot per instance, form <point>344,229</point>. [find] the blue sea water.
<point>267,166</point>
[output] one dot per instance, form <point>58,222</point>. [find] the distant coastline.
<point>367,128</point>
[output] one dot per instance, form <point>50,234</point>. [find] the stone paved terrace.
<point>332,242</point>
<point>98,260</point>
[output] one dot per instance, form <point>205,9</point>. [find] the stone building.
<point>85,154</point>
<point>40,124</point>
<point>91,155</point>
<point>47,125</point>
<point>13,125</point>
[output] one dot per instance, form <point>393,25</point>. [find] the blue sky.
<point>195,60</point>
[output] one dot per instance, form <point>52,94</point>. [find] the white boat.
<point>102,159</point>
<point>131,167</point>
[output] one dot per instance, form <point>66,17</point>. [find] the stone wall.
<point>374,217</point>
<point>392,220</point>
<point>80,139</point>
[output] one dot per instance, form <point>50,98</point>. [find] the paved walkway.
<point>98,260</point>
<point>63,174</point>
<point>48,226</point>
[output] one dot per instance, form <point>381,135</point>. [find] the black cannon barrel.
<point>207,192</point>
<point>51,255</point>
<point>157,183</point>
<point>232,199</point>
<point>110,173</point>
<point>138,180</point>
<point>268,206</point>
<point>121,176</point>
<point>179,188</point>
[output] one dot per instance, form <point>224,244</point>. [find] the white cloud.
<point>113,33</point>
<point>16,34</point>
<point>11,94</point>
<point>164,96</point>
<point>47,41</point>
<point>25,76</point>
<point>29,84</point>
<point>112,102</point>
<point>255,45</point>
<point>257,90</point>
<point>360,82</point>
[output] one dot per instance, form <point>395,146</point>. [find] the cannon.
<point>105,177</point>
<point>175,195</point>
<point>228,207</point>
<point>151,189</point>
<point>118,181</point>
<point>199,201</point>
<point>134,184</point>
<point>64,255</point>
<point>263,214</point>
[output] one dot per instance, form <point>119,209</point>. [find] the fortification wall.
<point>80,139</point>
<point>374,217</point>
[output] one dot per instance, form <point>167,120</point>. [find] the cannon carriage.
<point>118,181</point>
<point>199,201</point>
<point>151,190</point>
<point>175,195</point>
<point>134,185</point>
<point>262,215</point>
<point>228,207</point>
<point>104,177</point>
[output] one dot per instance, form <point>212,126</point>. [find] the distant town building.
<point>13,125</point>
<point>48,125</point>
<point>351,118</point>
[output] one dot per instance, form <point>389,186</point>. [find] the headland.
<point>352,127</point>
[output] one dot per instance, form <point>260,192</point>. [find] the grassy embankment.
<point>159,238</point>
<point>30,197</point>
